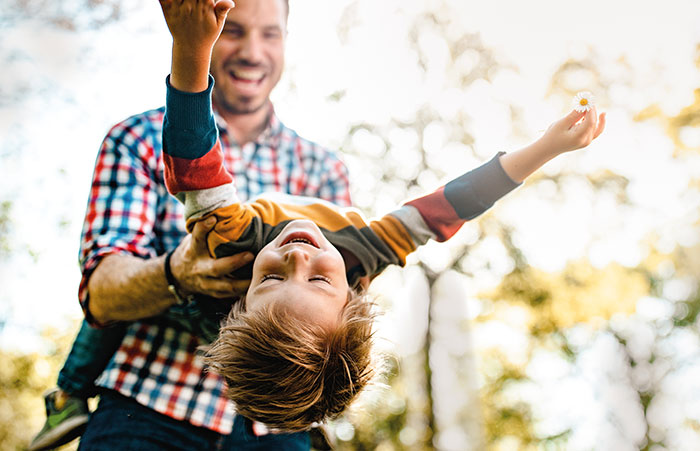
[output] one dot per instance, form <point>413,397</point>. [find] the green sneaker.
<point>62,425</point>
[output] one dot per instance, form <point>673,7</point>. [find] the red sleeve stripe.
<point>183,174</point>
<point>438,214</point>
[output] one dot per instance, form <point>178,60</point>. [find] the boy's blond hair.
<point>288,373</point>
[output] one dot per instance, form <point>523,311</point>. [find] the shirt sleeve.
<point>192,154</point>
<point>122,204</point>
<point>440,214</point>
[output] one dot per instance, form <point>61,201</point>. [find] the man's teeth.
<point>300,240</point>
<point>248,75</point>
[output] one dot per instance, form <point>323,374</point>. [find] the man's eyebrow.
<point>234,24</point>
<point>272,28</point>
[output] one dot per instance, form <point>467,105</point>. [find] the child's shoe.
<point>65,420</point>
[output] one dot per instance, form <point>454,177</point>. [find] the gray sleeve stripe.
<point>200,202</point>
<point>411,218</point>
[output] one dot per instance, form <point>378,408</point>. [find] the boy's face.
<point>248,57</point>
<point>303,271</point>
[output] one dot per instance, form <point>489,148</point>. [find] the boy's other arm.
<point>440,214</point>
<point>194,169</point>
<point>565,135</point>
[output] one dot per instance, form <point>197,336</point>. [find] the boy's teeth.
<point>249,75</point>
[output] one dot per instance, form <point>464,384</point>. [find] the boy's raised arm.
<point>192,155</point>
<point>195,26</point>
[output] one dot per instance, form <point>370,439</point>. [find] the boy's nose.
<point>296,256</point>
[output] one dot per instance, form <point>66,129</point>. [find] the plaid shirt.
<point>130,212</point>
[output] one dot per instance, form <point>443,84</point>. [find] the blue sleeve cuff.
<point>189,127</point>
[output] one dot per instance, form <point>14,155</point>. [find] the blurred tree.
<point>407,153</point>
<point>23,379</point>
<point>71,15</point>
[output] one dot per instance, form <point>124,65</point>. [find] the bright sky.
<point>81,84</point>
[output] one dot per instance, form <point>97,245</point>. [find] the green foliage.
<point>23,380</point>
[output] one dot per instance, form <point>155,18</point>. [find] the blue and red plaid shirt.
<point>130,212</point>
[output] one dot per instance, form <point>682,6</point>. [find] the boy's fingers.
<point>222,8</point>
<point>572,118</point>
<point>601,126</point>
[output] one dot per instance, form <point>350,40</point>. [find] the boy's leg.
<point>66,406</point>
<point>91,351</point>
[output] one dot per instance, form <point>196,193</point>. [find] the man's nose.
<point>251,48</point>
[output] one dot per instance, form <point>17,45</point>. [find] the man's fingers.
<point>199,233</point>
<point>223,289</point>
<point>240,286</point>
<point>226,265</point>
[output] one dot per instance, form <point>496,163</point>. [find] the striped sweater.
<point>194,173</point>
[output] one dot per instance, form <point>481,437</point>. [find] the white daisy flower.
<point>584,101</point>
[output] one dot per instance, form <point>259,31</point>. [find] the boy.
<point>296,349</point>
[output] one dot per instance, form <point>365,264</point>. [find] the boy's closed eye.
<point>318,278</point>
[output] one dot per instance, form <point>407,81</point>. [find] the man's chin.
<point>242,106</point>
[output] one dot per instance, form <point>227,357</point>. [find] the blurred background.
<point>564,318</point>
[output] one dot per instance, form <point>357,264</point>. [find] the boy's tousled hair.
<point>289,374</point>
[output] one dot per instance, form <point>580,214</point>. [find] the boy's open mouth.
<point>300,237</point>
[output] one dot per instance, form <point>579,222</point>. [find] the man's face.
<point>301,271</point>
<point>248,58</point>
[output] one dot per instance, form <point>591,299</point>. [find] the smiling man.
<point>154,390</point>
<point>247,62</point>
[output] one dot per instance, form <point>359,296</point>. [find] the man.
<point>138,262</point>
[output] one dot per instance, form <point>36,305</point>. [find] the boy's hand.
<point>574,131</point>
<point>195,23</point>
<point>566,134</point>
<point>195,26</point>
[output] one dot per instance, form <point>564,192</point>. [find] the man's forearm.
<point>126,288</point>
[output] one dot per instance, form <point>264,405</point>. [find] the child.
<point>296,349</point>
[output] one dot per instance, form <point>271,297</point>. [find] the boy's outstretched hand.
<point>574,131</point>
<point>195,26</point>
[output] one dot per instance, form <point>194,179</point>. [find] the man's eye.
<point>321,278</point>
<point>232,32</point>
<point>270,276</point>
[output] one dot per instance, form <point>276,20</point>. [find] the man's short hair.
<point>289,374</point>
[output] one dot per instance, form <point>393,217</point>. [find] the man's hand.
<point>197,272</point>
<point>574,131</point>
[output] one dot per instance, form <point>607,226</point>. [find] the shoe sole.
<point>61,434</point>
